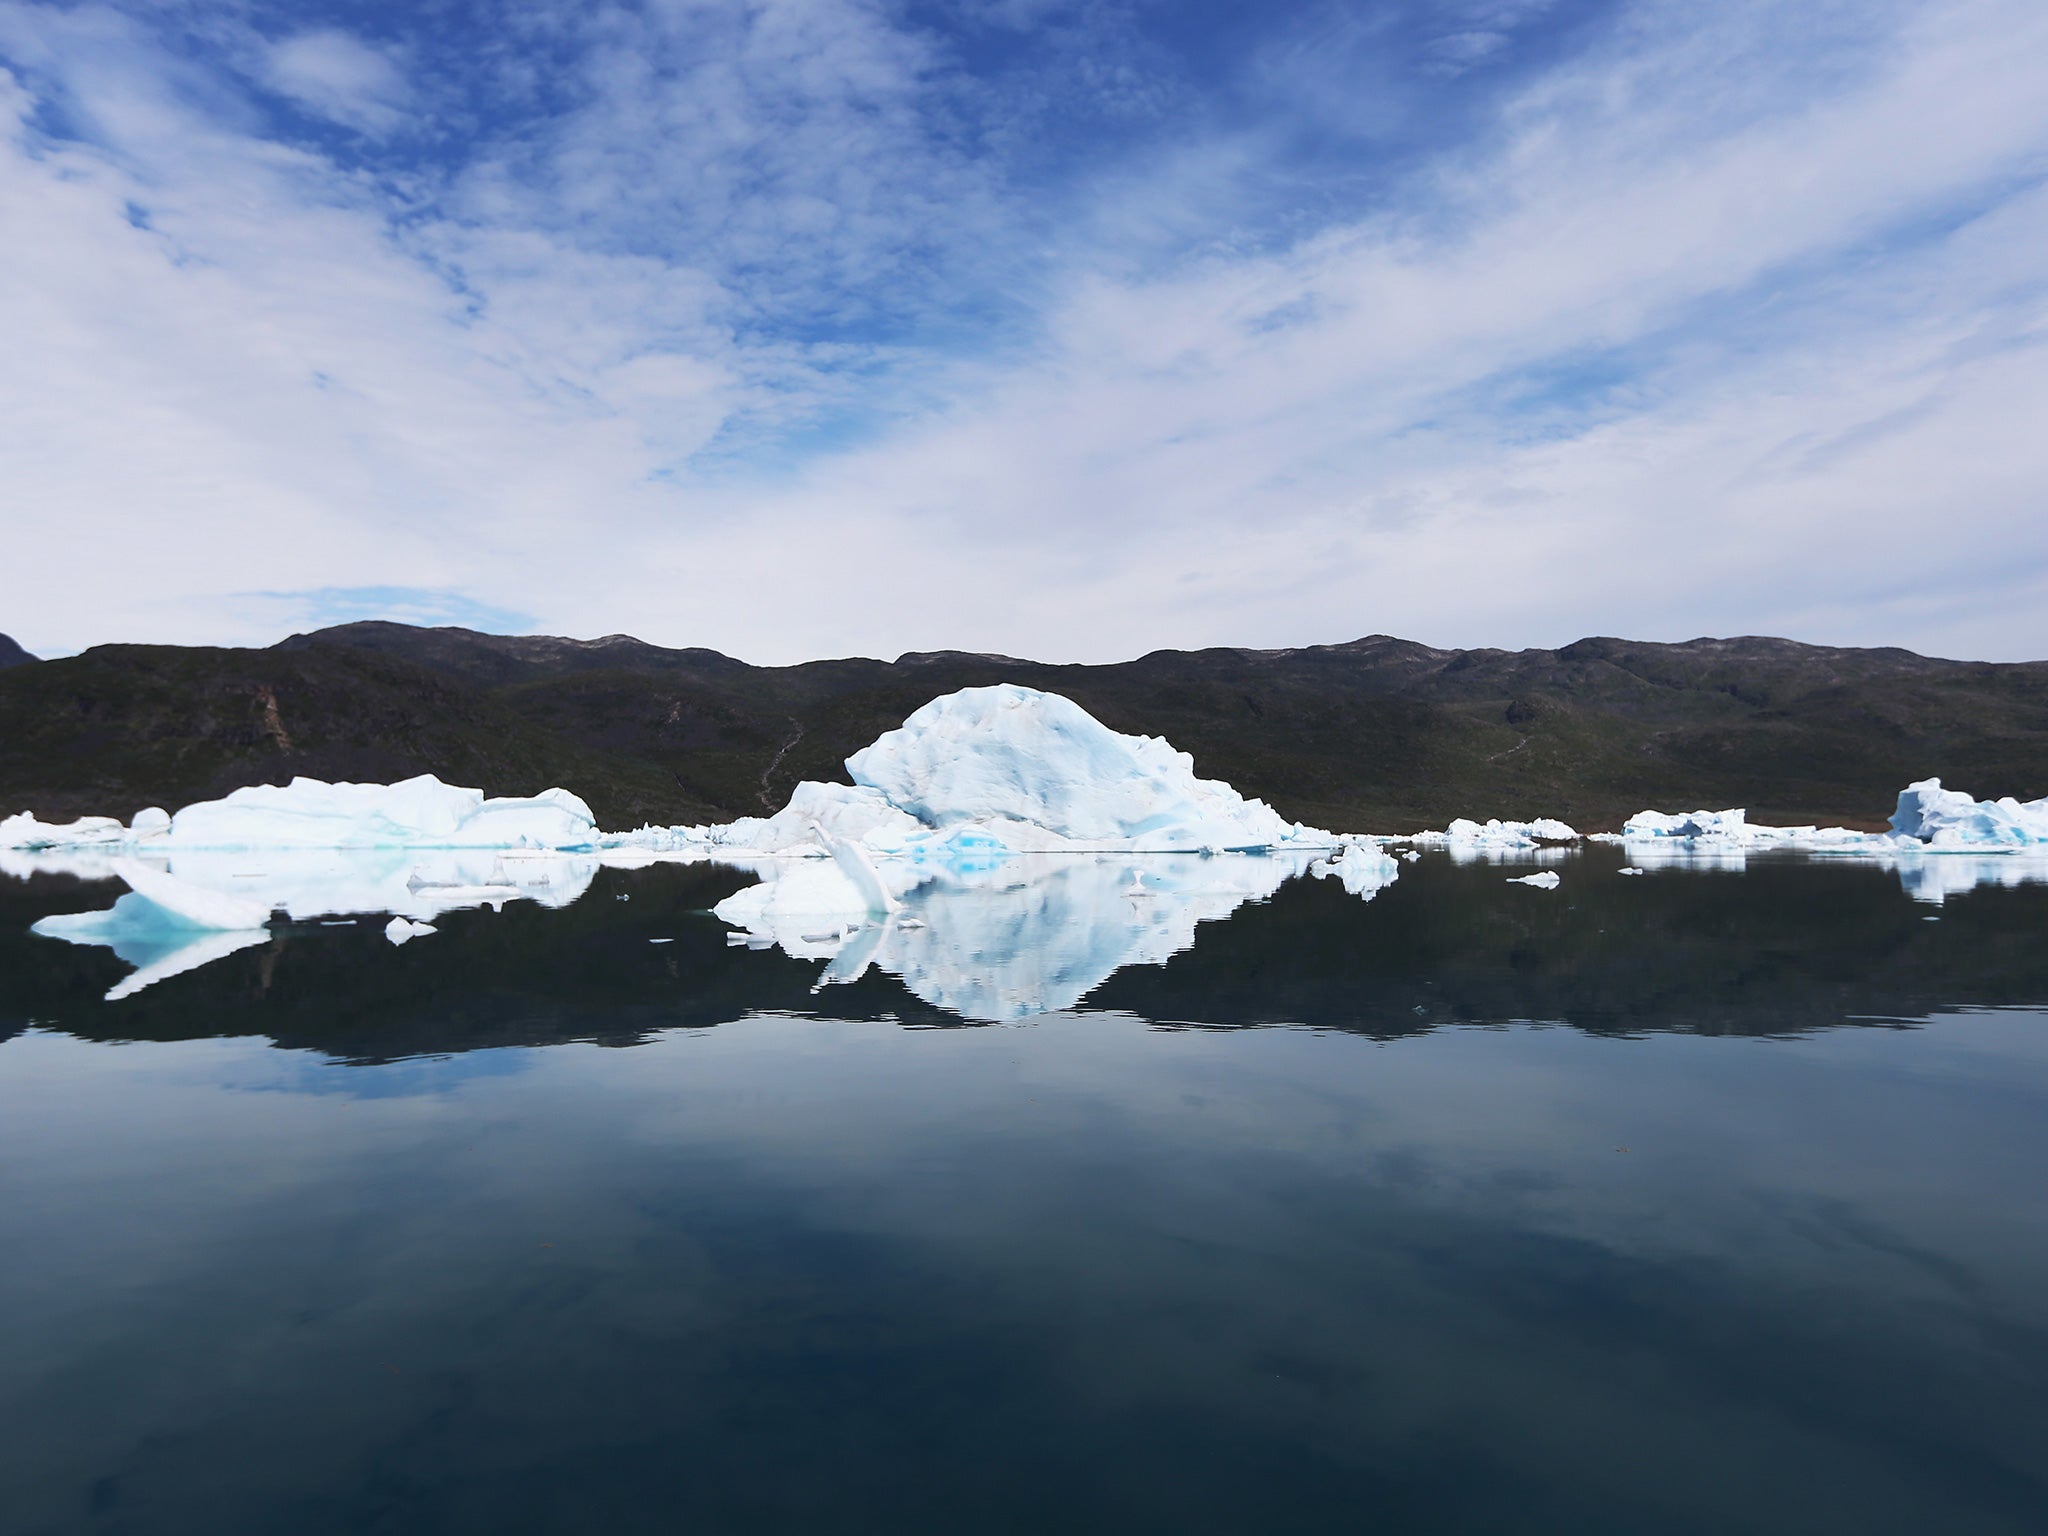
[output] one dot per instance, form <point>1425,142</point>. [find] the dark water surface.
<point>1694,1202</point>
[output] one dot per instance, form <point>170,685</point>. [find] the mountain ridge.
<point>1377,733</point>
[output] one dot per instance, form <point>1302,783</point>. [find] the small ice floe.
<point>400,929</point>
<point>661,941</point>
<point>1543,880</point>
<point>1631,870</point>
<point>1410,857</point>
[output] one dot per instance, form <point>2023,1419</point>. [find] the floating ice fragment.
<point>400,929</point>
<point>1543,880</point>
<point>1363,869</point>
<point>193,905</point>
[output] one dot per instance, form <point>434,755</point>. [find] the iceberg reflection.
<point>1026,935</point>
<point>179,930</point>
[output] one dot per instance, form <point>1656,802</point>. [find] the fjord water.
<point>1687,1202</point>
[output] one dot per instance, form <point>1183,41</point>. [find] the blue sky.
<point>821,327</point>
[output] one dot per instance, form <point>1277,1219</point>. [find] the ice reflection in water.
<point>1002,939</point>
<point>305,885</point>
<point>1009,938</point>
<point>1932,877</point>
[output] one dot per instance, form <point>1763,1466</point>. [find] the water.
<point>1700,1201</point>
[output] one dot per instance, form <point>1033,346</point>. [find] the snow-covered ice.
<point>401,929</point>
<point>1543,880</point>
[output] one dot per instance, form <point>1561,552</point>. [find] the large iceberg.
<point>1009,770</point>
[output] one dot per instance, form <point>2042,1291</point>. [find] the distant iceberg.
<point>1941,843</point>
<point>419,812</point>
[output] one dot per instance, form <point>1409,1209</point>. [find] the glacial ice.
<point>1364,869</point>
<point>192,904</point>
<point>990,772</point>
<point>420,812</point>
<point>1946,818</point>
<point>24,832</point>
<point>1542,880</point>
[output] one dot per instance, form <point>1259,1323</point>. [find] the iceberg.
<point>1542,880</point>
<point>24,832</point>
<point>1498,842</point>
<point>419,812</point>
<point>1947,818</point>
<point>1005,770</point>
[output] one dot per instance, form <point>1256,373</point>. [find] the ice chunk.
<point>193,905</point>
<point>1468,839</point>
<point>1947,818</point>
<point>156,940</point>
<point>419,812</point>
<point>400,929</point>
<point>25,832</point>
<point>1543,880</point>
<point>1364,869</point>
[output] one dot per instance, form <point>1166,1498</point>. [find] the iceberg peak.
<point>1008,756</point>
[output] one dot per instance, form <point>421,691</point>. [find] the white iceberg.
<point>1007,770</point>
<point>419,812</point>
<point>1499,842</point>
<point>23,831</point>
<point>1947,818</point>
<point>1542,880</point>
<point>400,929</point>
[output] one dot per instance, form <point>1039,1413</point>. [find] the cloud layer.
<point>806,327</point>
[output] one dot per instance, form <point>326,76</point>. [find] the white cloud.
<point>339,77</point>
<point>1817,291</point>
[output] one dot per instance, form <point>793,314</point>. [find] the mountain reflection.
<point>1785,946</point>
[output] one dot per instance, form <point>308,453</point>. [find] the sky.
<point>1069,329</point>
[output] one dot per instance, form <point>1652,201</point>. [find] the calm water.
<point>1691,1202</point>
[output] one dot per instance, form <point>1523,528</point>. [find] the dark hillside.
<point>1377,733</point>
<point>11,653</point>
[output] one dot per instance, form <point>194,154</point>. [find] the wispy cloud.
<point>783,326</point>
